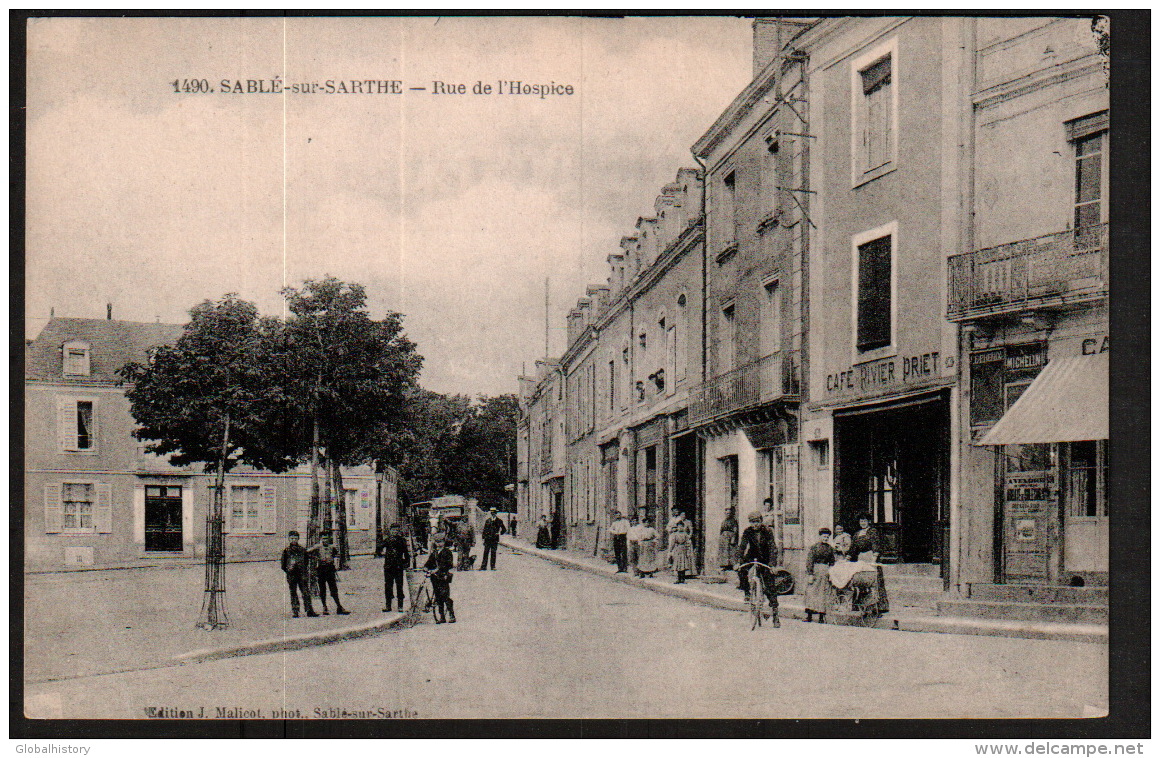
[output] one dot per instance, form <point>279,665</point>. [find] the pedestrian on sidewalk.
<point>727,541</point>
<point>439,567</point>
<point>758,545</point>
<point>492,528</point>
<point>634,545</point>
<point>866,540</point>
<point>819,594</point>
<point>681,551</point>
<point>513,521</point>
<point>647,561</point>
<point>619,531</point>
<point>842,542</point>
<point>396,560</point>
<point>543,534</point>
<point>465,544</point>
<point>324,554</point>
<point>294,566</point>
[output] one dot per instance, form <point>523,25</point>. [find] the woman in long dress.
<point>681,552</point>
<point>727,541</point>
<point>646,563</point>
<point>543,534</point>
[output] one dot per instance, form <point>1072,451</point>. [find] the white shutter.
<point>366,514</point>
<point>268,516</point>
<point>139,514</point>
<point>66,413</point>
<point>186,515</point>
<point>53,510</point>
<point>103,510</point>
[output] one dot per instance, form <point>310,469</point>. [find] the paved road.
<point>538,640</point>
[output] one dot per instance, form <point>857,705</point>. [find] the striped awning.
<point>1067,402</point>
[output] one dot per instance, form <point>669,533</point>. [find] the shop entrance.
<point>163,519</point>
<point>892,463</point>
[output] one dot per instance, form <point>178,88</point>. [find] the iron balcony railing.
<point>1061,267</point>
<point>753,384</point>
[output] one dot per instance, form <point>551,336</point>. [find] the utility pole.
<point>546,318</point>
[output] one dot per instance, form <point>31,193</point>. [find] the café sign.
<point>884,374</point>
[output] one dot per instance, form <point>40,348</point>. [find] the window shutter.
<point>66,412</point>
<point>103,510</point>
<point>53,510</point>
<point>365,509</point>
<point>186,515</point>
<point>269,513</point>
<point>139,515</point>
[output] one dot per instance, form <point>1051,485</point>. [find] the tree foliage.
<point>217,369</point>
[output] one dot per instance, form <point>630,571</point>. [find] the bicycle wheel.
<point>756,597</point>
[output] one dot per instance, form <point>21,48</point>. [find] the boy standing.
<point>294,566</point>
<point>439,565</point>
<point>325,553</point>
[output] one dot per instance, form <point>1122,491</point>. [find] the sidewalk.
<point>85,623</point>
<point>727,596</point>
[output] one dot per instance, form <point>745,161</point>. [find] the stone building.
<point>540,449</point>
<point>94,497</point>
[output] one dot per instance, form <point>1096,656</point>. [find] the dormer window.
<point>76,358</point>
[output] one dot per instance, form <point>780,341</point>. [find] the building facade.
<point>94,497</point>
<point>902,309</point>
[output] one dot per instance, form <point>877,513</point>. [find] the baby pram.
<point>861,591</point>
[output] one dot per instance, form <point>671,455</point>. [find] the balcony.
<point>1053,270</point>
<point>754,384</point>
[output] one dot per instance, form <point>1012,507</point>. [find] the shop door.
<point>1030,512</point>
<point>163,519</point>
<point>1085,513</point>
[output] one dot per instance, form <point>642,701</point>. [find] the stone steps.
<point>1034,593</point>
<point>1066,613</point>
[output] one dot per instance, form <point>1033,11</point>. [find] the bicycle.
<point>755,597</point>
<point>422,597</point>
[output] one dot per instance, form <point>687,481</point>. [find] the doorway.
<point>163,519</point>
<point>892,465</point>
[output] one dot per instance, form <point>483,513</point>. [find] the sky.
<point>451,209</point>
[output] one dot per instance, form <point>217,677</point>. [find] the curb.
<point>1094,633</point>
<point>296,642</point>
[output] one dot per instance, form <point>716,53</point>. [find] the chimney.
<point>109,311</point>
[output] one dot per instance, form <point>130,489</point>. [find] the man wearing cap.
<point>297,574</point>
<point>758,545</point>
<point>619,531</point>
<point>439,566</point>
<point>492,528</point>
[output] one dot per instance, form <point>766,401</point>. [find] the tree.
<point>482,461</point>
<point>207,399</point>
<point>347,378</point>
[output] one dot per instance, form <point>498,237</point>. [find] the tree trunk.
<point>328,500</point>
<point>343,545</point>
<point>315,503</point>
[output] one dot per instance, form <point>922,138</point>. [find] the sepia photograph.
<point>567,367</point>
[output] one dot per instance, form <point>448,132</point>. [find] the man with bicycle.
<point>758,546</point>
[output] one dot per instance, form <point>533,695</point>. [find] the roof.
<point>1067,402</point>
<point>112,344</point>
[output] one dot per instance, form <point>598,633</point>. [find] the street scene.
<point>535,639</point>
<point>498,368</point>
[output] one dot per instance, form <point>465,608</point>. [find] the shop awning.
<point>1067,402</point>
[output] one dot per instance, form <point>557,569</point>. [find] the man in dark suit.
<point>757,544</point>
<point>492,528</point>
<point>396,559</point>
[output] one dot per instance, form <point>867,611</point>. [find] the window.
<point>726,346</point>
<point>77,430</point>
<point>76,358</point>
<point>874,294</point>
<point>1087,476</point>
<point>874,109</point>
<point>244,507</point>
<point>1089,156</point>
<point>680,340</point>
<point>727,223</point>
<point>770,319</point>
<point>77,507</point>
<point>670,369</point>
